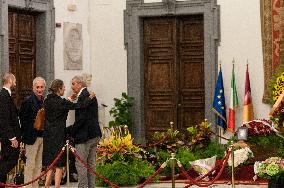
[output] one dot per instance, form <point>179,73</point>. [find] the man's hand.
<point>15,143</point>
<point>92,95</point>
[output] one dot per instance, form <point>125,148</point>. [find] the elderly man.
<point>9,128</point>
<point>30,136</point>
<point>86,132</point>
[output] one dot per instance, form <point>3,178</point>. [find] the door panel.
<point>22,52</point>
<point>191,63</point>
<point>174,72</point>
<point>160,78</point>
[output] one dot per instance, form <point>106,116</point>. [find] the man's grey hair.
<point>80,80</point>
<point>39,79</point>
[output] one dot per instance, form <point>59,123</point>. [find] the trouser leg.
<point>8,160</point>
<point>92,147</point>
<point>81,170</point>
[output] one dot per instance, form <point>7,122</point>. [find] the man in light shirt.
<point>9,128</point>
<point>30,136</point>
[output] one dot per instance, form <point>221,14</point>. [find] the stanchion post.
<point>233,164</point>
<point>173,161</point>
<point>67,163</point>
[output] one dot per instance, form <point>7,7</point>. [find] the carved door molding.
<point>45,28</point>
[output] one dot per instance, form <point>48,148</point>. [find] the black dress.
<point>56,111</point>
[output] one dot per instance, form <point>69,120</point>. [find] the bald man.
<point>9,128</point>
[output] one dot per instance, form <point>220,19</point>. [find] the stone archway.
<point>135,11</point>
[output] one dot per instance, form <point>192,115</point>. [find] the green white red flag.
<point>248,114</point>
<point>233,103</point>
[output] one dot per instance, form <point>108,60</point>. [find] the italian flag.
<point>233,103</point>
<point>248,114</point>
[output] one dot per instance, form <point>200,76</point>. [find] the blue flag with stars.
<point>219,105</point>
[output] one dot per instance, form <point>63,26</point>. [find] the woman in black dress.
<point>56,111</point>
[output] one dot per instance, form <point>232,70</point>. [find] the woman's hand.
<point>73,97</point>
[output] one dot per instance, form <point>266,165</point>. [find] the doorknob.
<point>179,105</point>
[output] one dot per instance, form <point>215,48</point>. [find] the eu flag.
<point>219,105</point>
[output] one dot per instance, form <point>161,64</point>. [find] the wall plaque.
<point>73,44</point>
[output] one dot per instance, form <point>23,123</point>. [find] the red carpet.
<point>243,175</point>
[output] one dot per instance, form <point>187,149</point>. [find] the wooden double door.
<point>173,72</point>
<point>22,52</point>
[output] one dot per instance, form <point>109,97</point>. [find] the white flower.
<point>240,156</point>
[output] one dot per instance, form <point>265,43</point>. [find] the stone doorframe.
<point>133,39</point>
<point>45,34</point>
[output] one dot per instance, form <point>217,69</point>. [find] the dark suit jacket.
<point>28,112</point>
<point>86,124</point>
<point>9,122</point>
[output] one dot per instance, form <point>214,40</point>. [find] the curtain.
<point>272,28</point>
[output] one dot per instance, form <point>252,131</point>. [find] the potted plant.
<point>120,162</point>
<point>121,112</point>
<point>271,169</point>
<point>200,135</point>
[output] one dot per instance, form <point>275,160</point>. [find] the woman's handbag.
<point>39,120</point>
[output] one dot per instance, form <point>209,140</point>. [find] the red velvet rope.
<point>206,184</point>
<point>151,177</point>
<point>93,171</point>
<point>41,175</point>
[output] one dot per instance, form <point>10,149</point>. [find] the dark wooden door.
<point>174,72</point>
<point>22,41</point>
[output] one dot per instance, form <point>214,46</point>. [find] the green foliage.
<point>168,140</point>
<point>162,155</point>
<point>184,155</point>
<point>125,173</point>
<point>200,134</point>
<point>266,140</point>
<point>280,151</point>
<point>213,148</point>
<point>271,141</point>
<point>121,111</point>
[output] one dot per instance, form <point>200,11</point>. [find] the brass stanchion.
<point>233,166</point>
<point>173,161</point>
<point>67,163</point>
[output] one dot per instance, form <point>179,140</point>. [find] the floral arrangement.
<point>200,134</point>
<point>203,166</point>
<point>119,160</point>
<point>169,140</point>
<point>259,127</point>
<point>241,156</point>
<point>270,168</point>
<point>278,86</point>
<point>117,146</point>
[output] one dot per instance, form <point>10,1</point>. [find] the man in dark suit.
<point>30,136</point>
<point>9,128</point>
<point>86,132</point>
